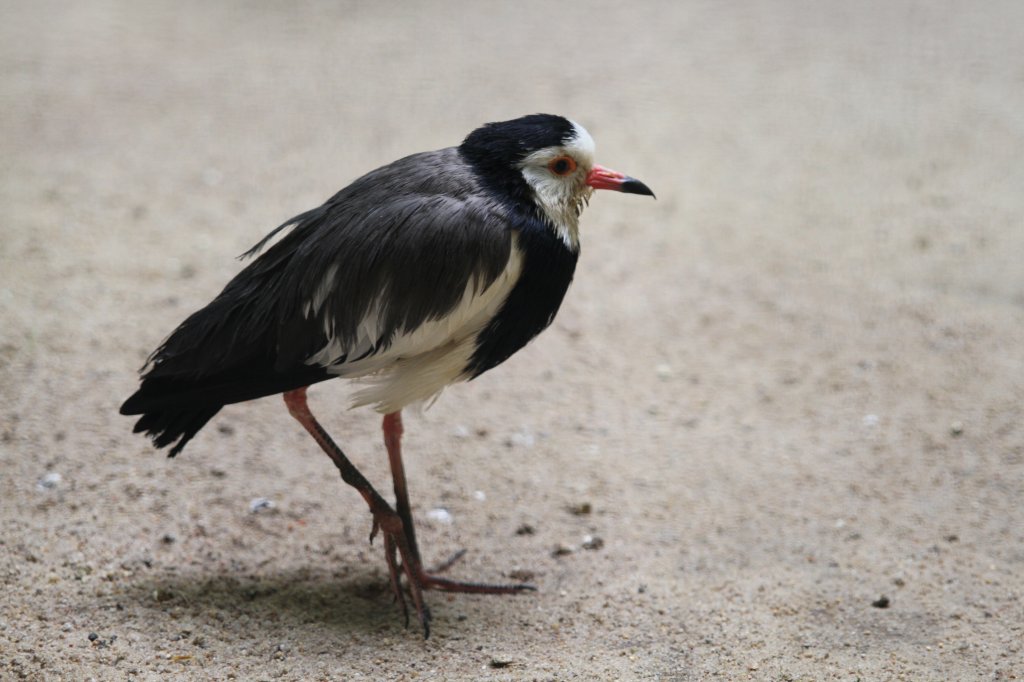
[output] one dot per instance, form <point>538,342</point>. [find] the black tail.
<point>176,409</point>
<point>166,426</point>
<point>224,353</point>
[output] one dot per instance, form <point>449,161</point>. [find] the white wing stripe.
<point>420,362</point>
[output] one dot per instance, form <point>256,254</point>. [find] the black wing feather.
<point>408,237</point>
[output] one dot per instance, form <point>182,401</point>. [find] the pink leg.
<point>393,442</point>
<point>392,427</point>
<point>385,519</point>
<point>396,527</point>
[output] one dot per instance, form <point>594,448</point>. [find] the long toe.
<point>434,582</point>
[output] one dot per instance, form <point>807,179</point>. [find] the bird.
<point>423,273</point>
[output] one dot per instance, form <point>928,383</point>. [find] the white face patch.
<point>584,143</point>
<point>562,197</point>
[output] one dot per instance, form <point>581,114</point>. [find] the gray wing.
<point>400,245</point>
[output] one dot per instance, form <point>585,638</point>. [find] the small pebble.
<point>592,542</point>
<point>663,371</point>
<point>870,420</point>
<point>168,539</point>
<point>562,550</point>
<point>956,428</point>
<point>93,636</point>
<point>67,627</point>
<point>522,575</point>
<point>881,603</point>
<point>479,495</point>
<point>441,515</point>
<point>525,529</point>
<point>49,481</point>
<point>581,509</point>
<point>500,663</point>
<point>261,504</point>
<point>523,438</point>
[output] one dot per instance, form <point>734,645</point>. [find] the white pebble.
<point>259,504</point>
<point>523,438</point>
<point>870,420</point>
<point>49,481</point>
<point>441,515</point>
<point>479,495</point>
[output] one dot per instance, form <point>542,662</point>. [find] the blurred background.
<point>789,391</point>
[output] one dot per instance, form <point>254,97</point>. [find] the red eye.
<point>562,165</point>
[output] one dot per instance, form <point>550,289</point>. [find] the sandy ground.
<point>788,389</point>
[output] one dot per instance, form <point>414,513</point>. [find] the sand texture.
<point>774,434</point>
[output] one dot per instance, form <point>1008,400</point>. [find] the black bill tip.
<point>634,186</point>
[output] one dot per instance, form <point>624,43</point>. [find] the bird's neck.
<point>562,215</point>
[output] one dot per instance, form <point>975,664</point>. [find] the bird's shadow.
<point>356,603</point>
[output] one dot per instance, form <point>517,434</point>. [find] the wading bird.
<point>423,273</point>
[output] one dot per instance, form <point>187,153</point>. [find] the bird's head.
<point>545,161</point>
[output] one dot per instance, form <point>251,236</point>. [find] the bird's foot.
<point>403,559</point>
